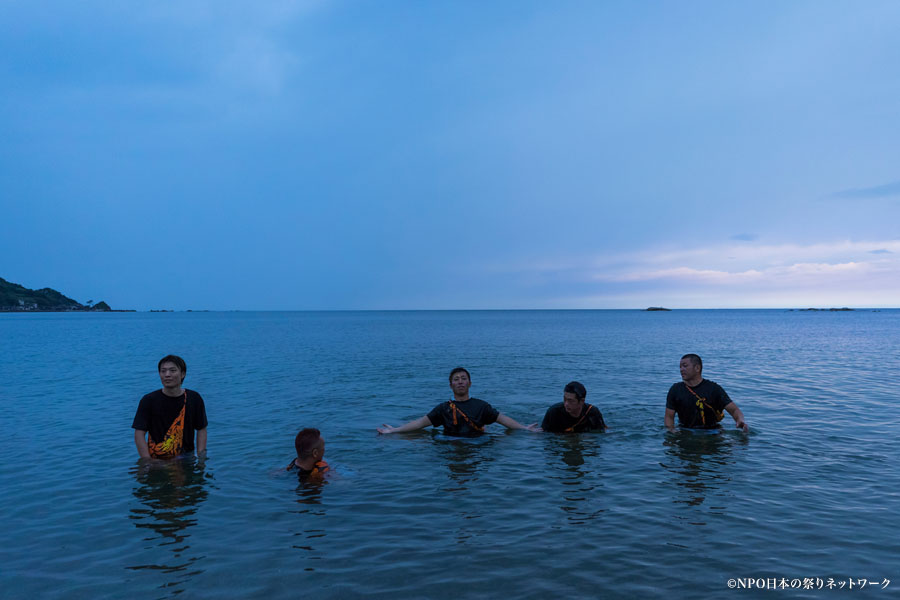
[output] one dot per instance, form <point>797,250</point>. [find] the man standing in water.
<point>572,415</point>
<point>462,416</point>
<point>699,402</point>
<point>171,415</point>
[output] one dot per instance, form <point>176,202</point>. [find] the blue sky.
<point>394,155</point>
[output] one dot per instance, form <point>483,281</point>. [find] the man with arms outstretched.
<point>462,416</point>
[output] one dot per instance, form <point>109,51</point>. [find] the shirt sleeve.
<point>436,416</point>
<point>722,399</point>
<point>670,398</point>
<point>547,423</point>
<point>142,416</point>
<point>199,412</point>
<point>490,414</point>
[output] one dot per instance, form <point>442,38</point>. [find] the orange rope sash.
<point>455,410</point>
<point>583,417</point>
<point>320,468</point>
<point>701,402</point>
<point>172,443</point>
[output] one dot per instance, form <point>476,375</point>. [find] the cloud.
<point>736,274</point>
<point>878,191</point>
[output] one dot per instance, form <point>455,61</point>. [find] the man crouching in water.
<point>310,450</point>
<point>462,416</point>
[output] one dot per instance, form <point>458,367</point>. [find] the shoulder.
<point>439,408</point>
<point>715,386</point>
<point>676,387</point>
<point>153,396</point>
<point>482,405</point>
<point>593,410</point>
<point>192,395</point>
<point>554,408</point>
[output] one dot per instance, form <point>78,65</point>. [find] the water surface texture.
<point>811,492</point>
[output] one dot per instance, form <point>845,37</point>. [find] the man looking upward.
<point>699,402</point>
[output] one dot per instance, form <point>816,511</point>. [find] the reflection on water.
<point>467,459</point>
<point>581,487</point>
<point>309,497</point>
<point>171,493</point>
<point>702,463</point>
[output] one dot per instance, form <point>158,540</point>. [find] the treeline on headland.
<point>15,297</point>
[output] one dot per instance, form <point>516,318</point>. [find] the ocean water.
<point>812,492</point>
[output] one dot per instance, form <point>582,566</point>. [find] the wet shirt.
<point>156,413</point>
<point>316,472</point>
<point>478,412</point>
<point>683,402</point>
<point>557,420</point>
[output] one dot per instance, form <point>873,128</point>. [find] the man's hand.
<point>385,428</point>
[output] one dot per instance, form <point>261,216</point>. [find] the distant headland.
<point>657,308</point>
<point>18,298</point>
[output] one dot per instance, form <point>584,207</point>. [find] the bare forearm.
<point>201,441</point>
<point>670,419</point>
<point>737,415</point>
<point>511,423</point>
<point>140,440</point>
<point>419,423</point>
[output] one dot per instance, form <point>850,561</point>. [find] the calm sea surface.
<point>812,492</point>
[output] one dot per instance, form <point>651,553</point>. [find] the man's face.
<point>460,383</point>
<point>573,404</point>
<point>170,375</point>
<point>688,369</point>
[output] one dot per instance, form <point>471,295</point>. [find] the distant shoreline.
<point>387,310</point>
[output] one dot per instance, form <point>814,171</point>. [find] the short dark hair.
<point>177,360</point>
<point>459,370</point>
<point>573,387</point>
<point>306,441</point>
<point>695,360</point>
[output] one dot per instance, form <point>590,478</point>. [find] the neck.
<point>462,398</point>
<point>694,382</point>
<point>173,392</point>
<point>306,463</point>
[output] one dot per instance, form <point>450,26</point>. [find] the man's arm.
<point>737,415</point>
<point>419,423</point>
<point>511,423</point>
<point>201,441</point>
<point>140,440</point>
<point>670,419</point>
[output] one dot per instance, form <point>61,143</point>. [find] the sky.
<point>331,155</point>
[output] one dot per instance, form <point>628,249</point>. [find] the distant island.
<point>657,308</point>
<point>824,309</point>
<point>18,298</point>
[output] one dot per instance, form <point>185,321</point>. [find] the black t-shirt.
<point>557,420</point>
<point>683,402</point>
<point>478,411</point>
<point>157,412</point>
